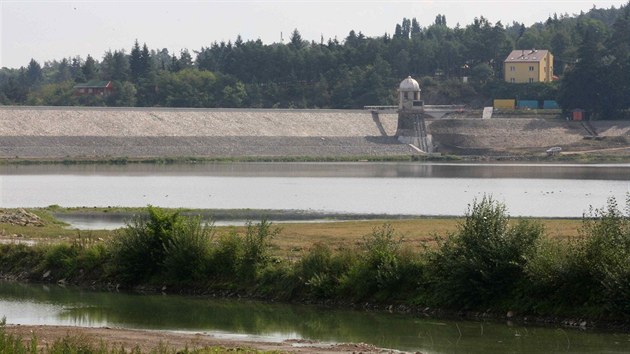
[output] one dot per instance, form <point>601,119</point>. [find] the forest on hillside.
<point>591,51</point>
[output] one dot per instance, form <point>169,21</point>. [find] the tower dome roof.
<point>409,84</point>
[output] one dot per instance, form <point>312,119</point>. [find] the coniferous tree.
<point>583,86</point>
<point>296,41</point>
<point>63,71</point>
<point>136,66</point>
<point>618,69</point>
<point>75,69</point>
<point>34,75</point>
<point>89,69</point>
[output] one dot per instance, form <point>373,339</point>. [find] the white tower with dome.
<point>412,128</point>
<point>409,95</point>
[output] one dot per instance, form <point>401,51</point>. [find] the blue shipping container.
<point>527,104</point>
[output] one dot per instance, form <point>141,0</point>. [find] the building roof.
<point>409,84</point>
<point>93,84</point>
<point>526,56</point>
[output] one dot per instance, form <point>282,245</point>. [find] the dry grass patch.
<point>296,238</point>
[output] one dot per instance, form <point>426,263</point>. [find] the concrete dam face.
<point>106,133</point>
<point>80,132</point>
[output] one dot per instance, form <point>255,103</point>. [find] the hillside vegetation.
<point>591,59</point>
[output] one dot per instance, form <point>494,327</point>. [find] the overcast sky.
<point>47,30</point>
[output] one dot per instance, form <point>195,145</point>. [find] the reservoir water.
<point>54,305</point>
<point>539,190</point>
<point>361,188</point>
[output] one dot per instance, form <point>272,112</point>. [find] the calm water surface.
<point>362,188</point>
<point>53,305</point>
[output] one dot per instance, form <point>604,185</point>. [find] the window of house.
<point>512,68</point>
<point>531,68</point>
<point>531,79</point>
<point>512,80</point>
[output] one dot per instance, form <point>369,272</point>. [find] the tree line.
<point>591,50</point>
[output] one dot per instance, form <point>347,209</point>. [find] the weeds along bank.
<point>490,263</point>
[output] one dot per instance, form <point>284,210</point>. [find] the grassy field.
<point>415,233</point>
<point>295,238</point>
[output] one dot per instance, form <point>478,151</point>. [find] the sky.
<point>51,29</point>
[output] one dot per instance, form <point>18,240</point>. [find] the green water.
<point>38,304</point>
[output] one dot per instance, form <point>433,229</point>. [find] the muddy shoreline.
<point>147,340</point>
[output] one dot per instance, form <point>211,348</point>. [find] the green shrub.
<point>377,272</point>
<point>61,258</point>
<point>187,251</point>
<point>319,270</point>
<point>138,251</point>
<point>237,257</point>
<point>277,280</point>
<point>226,257</point>
<point>606,252</point>
<point>558,278</point>
<point>92,259</point>
<point>483,260</point>
<point>256,247</point>
<point>19,257</point>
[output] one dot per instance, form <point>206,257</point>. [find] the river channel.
<point>54,305</point>
<point>537,190</point>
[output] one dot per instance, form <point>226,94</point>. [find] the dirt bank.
<point>517,136</point>
<point>147,340</point>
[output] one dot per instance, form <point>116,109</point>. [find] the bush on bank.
<point>490,262</point>
<point>483,262</point>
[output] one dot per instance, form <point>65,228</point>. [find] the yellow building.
<point>529,65</point>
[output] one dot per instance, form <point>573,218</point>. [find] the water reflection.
<point>394,189</point>
<point>339,170</point>
<point>32,304</point>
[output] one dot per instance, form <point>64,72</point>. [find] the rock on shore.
<point>20,217</point>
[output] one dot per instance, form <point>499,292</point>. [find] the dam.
<point>87,133</point>
<point>413,129</point>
